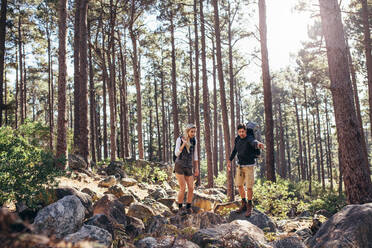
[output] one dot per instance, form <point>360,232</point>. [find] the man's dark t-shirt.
<point>246,149</point>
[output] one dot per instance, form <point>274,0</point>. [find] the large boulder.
<point>165,242</point>
<point>93,233</point>
<point>127,199</point>
<point>200,220</point>
<point>117,190</point>
<point>110,206</point>
<point>60,218</point>
<point>127,182</point>
<point>91,193</point>
<point>135,226</point>
<point>237,234</point>
<point>77,162</point>
<point>158,193</point>
<point>116,168</point>
<point>140,211</point>
<point>257,218</point>
<point>107,182</point>
<point>292,242</point>
<point>350,227</point>
<point>85,199</point>
<point>159,226</point>
<point>101,221</point>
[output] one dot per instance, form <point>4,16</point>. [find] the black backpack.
<point>193,142</point>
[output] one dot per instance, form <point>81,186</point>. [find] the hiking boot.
<point>243,207</point>
<point>248,213</point>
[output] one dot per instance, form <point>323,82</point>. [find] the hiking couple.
<point>186,164</point>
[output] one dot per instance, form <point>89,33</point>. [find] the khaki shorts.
<point>244,175</point>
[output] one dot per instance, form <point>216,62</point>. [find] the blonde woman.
<point>186,160</point>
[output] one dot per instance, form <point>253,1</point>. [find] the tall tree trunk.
<point>92,105</point>
<point>215,113</point>
<point>231,76</point>
<point>354,165</point>
<point>76,74</point>
<point>329,148</point>
<point>356,100</point>
<point>206,106</point>
<point>300,151</point>
<point>309,166</point>
<point>2,53</point>
<point>62,81</point>
<point>220,146</point>
<point>192,98</point>
<point>197,97</point>
<point>269,123</point>
<point>164,127</point>
<point>283,163</point>
<point>112,82</point>
<point>21,79</point>
<point>138,86</point>
<point>97,119</point>
<point>225,120</point>
<point>16,89</point>
<point>367,44</point>
<point>320,144</point>
<point>306,168</point>
<point>24,97</point>
<point>157,117</point>
<point>50,89</point>
<point>104,86</point>
<point>317,142</point>
<point>288,148</point>
<point>176,127</point>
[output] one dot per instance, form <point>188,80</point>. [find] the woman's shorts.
<point>244,175</point>
<point>180,169</point>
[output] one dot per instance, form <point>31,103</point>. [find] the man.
<point>247,148</point>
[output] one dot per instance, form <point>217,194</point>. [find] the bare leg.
<point>190,188</point>
<point>249,194</point>
<point>182,183</point>
<point>241,191</point>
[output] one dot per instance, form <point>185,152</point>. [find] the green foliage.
<point>221,180</point>
<point>274,198</point>
<point>148,174</point>
<point>331,202</point>
<point>26,170</point>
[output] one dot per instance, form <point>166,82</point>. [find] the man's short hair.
<point>241,126</point>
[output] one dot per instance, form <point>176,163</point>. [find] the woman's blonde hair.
<point>186,134</point>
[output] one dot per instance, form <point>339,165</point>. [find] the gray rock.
<point>134,227</point>
<point>77,162</point>
<point>118,190</point>
<point>158,193</point>
<point>288,242</point>
<point>175,242</point>
<point>350,227</point>
<point>127,182</point>
<point>169,202</point>
<point>116,168</point>
<point>85,199</point>
<point>237,234</point>
<point>101,221</point>
<point>88,232</point>
<point>140,211</point>
<point>257,218</point>
<point>127,199</point>
<point>60,218</point>
<point>148,242</point>
<point>110,206</point>
<point>90,192</point>
<point>107,182</point>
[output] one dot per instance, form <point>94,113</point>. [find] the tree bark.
<point>215,112</point>
<point>192,98</point>
<point>176,127</point>
<point>206,106</point>
<point>2,53</point>
<point>300,151</point>
<point>354,165</point>
<point>329,148</point>
<point>21,79</point>
<point>197,97</point>
<point>62,81</point>
<point>225,120</point>
<point>367,44</point>
<point>283,163</point>
<point>92,105</point>
<point>231,76</point>
<point>269,123</point>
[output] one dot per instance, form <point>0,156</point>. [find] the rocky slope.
<point>112,209</point>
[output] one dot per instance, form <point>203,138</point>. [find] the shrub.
<point>26,170</point>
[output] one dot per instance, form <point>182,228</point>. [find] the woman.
<point>187,159</point>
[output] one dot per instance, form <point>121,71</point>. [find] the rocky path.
<point>114,210</point>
